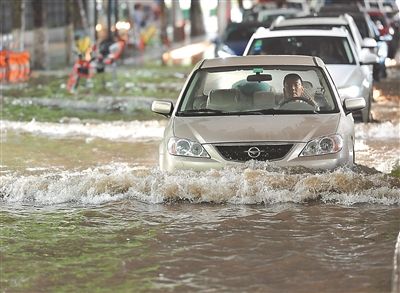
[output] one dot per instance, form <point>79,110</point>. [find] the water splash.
<point>250,184</point>
<point>119,130</point>
<point>386,130</point>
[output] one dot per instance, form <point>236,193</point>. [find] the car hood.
<point>251,128</point>
<point>345,75</point>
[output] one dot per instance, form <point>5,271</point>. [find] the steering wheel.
<point>298,99</point>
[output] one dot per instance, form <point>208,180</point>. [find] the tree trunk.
<point>40,35</point>
<point>196,19</point>
<point>18,24</point>
<point>163,24</point>
<point>69,31</point>
<point>224,17</point>
<point>109,7</point>
<point>177,22</point>
<point>82,13</point>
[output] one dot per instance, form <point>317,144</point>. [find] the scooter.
<point>104,54</point>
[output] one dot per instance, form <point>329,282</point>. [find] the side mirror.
<point>369,43</point>
<point>162,107</point>
<point>368,58</point>
<point>353,104</point>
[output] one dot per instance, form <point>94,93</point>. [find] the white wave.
<point>118,130</point>
<point>246,185</point>
<point>377,130</point>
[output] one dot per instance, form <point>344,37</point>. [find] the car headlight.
<point>350,92</point>
<point>323,145</point>
<point>184,147</point>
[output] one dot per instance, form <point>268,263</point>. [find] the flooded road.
<point>85,208</point>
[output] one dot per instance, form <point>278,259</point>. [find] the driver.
<point>293,90</point>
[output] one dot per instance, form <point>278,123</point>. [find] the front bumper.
<point>171,163</point>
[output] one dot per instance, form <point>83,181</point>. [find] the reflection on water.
<point>85,209</point>
<point>131,246</point>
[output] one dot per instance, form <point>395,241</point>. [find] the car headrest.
<point>309,90</point>
<point>223,99</point>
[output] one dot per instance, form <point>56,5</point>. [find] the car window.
<point>247,90</point>
<point>332,50</point>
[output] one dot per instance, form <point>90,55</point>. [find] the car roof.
<point>334,32</point>
<point>262,60</point>
<point>311,21</point>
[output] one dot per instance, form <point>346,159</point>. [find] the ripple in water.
<point>254,183</point>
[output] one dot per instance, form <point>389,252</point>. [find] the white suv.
<point>326,22</point>
<point>362,46</point>
<point>335,47</point>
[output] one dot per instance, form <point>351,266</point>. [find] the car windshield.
<point>256,91</point>
<point>332,50</point>
<point>315,26</point>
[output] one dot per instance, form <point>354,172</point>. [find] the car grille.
<point>260,152</point>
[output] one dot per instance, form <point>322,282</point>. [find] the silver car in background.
<point>334,46</point>
<point>233,110</point>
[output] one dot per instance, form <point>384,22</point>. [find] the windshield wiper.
<point>274,111</point>
<point>200,112</point>
<point>249,112</point>
<point>259,112</point>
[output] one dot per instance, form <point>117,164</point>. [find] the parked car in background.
<point>233,110</point>
<point>266,17</point>
<point>362,46</point>
<point>367,29</point>
<point>301,5</point>
<point>235,38</point>
<point>385,29</point>
<point>267,13</point>
<point>335,47</point>
<point>322,22</point>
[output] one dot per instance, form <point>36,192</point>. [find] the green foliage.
<point>45,114</point>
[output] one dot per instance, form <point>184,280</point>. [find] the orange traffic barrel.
<point>3,66</point>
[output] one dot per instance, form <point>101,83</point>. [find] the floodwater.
<point>84,208</point>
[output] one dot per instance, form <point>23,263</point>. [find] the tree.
<point>163,24</point>
<point>196,19</point>
<point>40,35</point>
<point>18,24</point>
<point>69,30</point>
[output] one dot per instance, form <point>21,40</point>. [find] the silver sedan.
<point>281,109</point>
